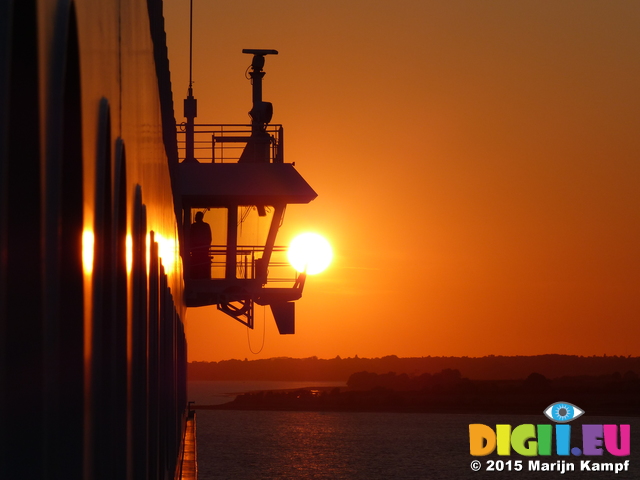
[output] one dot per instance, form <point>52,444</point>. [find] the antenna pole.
<point>190,103</point>
<point>190,47</point>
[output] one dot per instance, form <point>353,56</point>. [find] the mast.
<point>190,103</point>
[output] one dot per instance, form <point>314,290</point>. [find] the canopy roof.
<point>224,184</point>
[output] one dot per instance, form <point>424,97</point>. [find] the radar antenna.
<point>257,149</point>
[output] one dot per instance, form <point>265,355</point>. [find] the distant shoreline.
<point>477,368</point>
<point>341,399</point>
<point>598,385</point>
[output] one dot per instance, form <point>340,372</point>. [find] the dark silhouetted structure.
<point>246,171</point>
<point>92,344</point>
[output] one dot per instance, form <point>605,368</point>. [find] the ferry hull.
<point>92,344</point>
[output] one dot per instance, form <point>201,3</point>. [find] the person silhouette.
<point>200,243</point>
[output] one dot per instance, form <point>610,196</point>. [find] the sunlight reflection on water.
<point>345,445</point>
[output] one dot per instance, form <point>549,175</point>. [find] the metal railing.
<point>247,258</point>
<point>224,143</point>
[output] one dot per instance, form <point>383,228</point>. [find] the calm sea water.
<point>345,445</point>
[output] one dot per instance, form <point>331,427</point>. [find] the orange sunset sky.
<point>477,166</point>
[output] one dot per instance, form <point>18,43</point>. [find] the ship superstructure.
<point>240,180</point>
<point>97,257</point>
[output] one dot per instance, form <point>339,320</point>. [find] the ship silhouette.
<point>96,271</point>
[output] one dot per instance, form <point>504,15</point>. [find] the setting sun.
<point>310,253</point>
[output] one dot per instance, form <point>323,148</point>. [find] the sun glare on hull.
<point>310,253</point>
<point>88,242</point>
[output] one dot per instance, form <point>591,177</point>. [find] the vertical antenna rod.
<point>190,47</point>
<point>190,103</point>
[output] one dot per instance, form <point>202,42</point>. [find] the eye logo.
<point>562,412</point>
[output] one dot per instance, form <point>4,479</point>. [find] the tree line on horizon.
<point>449,392</point>
<point>490,367</point>
<point>453,381</point>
